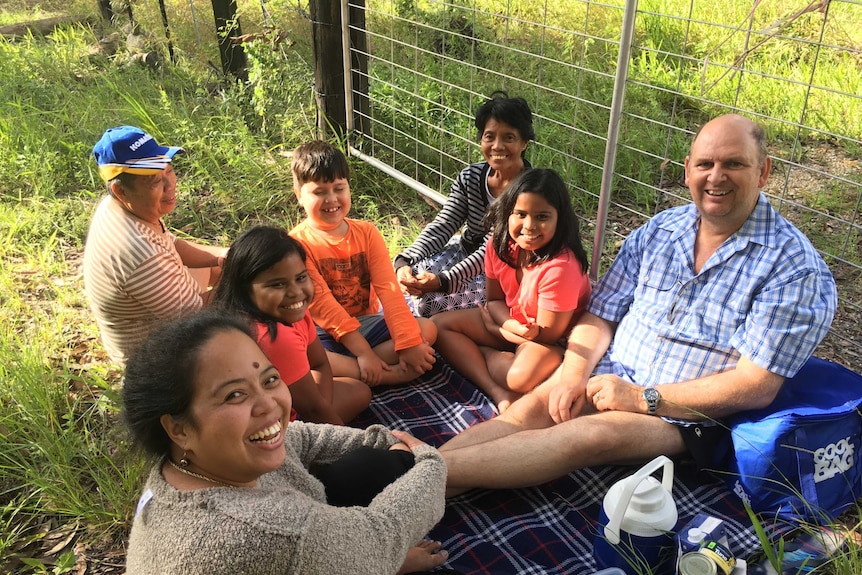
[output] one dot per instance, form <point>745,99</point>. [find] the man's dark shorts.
<point>708,445</point>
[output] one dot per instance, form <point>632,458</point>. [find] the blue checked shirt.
<point>764,294</point>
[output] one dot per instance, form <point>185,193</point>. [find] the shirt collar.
<point>761,227</point>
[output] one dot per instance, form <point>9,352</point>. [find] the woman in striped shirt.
<point>443,270</point>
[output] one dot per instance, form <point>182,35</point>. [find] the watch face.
<point>651,396</point>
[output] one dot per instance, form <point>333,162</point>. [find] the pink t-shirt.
<point>556,285</point>
<point>289,351</point>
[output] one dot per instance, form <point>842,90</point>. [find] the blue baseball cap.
<point>131,150</point>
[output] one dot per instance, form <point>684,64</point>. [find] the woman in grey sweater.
<point>231,490</point>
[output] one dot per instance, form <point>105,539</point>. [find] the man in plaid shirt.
<point>705,311</point>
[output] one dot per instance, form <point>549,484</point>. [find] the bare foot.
<point>398,376</point>
<point>423,557</point>
<point>505,398</point>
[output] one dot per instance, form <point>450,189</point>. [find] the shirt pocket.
<point>655,293</point>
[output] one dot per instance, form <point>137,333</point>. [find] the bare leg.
<point>429,330</point>
<point>528,412</point>
<point>347,366</point>
<point>533,363</point>
<point>461,337</point>
<point>350,397</point>
<point>536,456</point>
<point>386,352</point>
<point>499,363</point>
<point>424,557</point>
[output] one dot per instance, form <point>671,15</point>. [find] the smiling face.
<point>533,221</point>
<point>725,172</point>
<point>234,432</point>
<point>325,203</point>
<point>149,197</point>
<point>284,291</point>
<point>502,146</point>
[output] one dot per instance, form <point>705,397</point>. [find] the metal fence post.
<point>613,133</point>
<point>358,96</point>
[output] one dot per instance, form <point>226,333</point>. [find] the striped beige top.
<point>133,278</point>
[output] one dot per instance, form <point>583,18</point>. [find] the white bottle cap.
<point>695,535</point>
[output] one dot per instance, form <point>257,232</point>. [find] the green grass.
<point>680,77</point>
<point>62,456</point>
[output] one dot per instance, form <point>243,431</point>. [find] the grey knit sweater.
<point>284,525</point>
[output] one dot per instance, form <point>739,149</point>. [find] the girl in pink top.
<point>265,278</point>
<point>537,288</point>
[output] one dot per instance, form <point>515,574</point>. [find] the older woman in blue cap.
<point>137,274</point>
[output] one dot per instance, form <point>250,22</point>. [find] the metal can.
<point>712,558</point>
<point>720,555</point>
<point>696,563</point>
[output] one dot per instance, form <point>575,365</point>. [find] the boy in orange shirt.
<point>349,265</point>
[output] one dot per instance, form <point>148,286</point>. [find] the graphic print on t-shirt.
<point>349,280</point>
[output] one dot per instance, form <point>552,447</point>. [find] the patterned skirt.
<point>472,295</point>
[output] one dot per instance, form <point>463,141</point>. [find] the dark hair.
<point>160,374</point>
<point>513,111</point>
<point>318,161</point>
<point>253,252</point>
<point>548,184</point>
<point>127,180</point>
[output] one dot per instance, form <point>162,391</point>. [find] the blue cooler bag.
<point>800,457</point>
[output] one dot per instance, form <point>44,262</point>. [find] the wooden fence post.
<point>108,13</point>
<point>106,10</point>
<point>328,66</point>
<point>233,60</point>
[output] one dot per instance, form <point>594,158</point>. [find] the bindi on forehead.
<point>255,365</point>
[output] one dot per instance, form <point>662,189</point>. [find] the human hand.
<point>488,319</point>
<point>420,358</point>
<point>422,282</point>
<point>529,331</point>
<point>566,400</point>
<point>406,442</point>
<point>405,277</point>
<point>371,368</point>
<point>607,392</point>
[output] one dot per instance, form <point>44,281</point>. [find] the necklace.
<point>198,475</point>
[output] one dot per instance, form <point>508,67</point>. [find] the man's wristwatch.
<point>651,397</point>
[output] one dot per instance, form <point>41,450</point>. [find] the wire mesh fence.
<point>796,67</point>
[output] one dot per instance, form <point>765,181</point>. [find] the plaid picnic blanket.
<point>544,530</point>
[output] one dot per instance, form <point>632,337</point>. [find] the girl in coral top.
<point>265,278</point>
<point>537,288</point>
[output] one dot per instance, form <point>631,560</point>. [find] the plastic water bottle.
<point>637,521</point>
